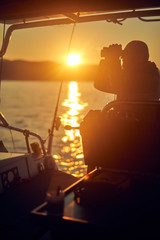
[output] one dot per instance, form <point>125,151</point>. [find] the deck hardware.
<point>24,131</point>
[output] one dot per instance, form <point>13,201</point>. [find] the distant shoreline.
<point>20,70</point>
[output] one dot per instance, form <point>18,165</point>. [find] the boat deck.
<point>106,203</point>
<point>17,202</point>
<point>7,155</point>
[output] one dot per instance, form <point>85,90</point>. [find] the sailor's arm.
<point>108,78</point>
<point>102,81</point>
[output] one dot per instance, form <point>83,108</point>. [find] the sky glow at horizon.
<point>51,43</point>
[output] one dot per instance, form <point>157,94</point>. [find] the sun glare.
<point>73,59</point>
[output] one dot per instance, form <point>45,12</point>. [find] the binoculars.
<point>112,50</point>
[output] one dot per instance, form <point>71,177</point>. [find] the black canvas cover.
<point>23,9</point>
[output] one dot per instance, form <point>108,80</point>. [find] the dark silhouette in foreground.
<point>125,134</point>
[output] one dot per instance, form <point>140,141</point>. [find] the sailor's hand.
<point>114,51</point>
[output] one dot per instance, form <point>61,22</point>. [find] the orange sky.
<point>51,43</point>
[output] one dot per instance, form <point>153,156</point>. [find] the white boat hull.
<point>16,167</point>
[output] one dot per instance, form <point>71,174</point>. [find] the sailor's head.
<point>135,52</point>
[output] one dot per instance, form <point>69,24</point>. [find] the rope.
<point>51,131</point>
<point>71,38</point>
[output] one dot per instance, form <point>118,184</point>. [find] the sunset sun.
<point>73,59</point>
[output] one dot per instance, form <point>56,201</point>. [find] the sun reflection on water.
<point>71,159</point>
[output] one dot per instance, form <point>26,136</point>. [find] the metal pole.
<point>1,63</point>
<point>51,131</point>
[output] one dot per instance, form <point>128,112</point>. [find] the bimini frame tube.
<point>70,18</point>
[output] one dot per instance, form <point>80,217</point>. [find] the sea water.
<point>31,105</point>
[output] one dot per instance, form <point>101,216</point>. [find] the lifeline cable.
<point>14,146</point>
<point>51,131</point>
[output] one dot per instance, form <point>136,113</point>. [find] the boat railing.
<point>25,132</point>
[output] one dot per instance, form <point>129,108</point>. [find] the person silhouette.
<point>128,73</point>
<point>118,137</point>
